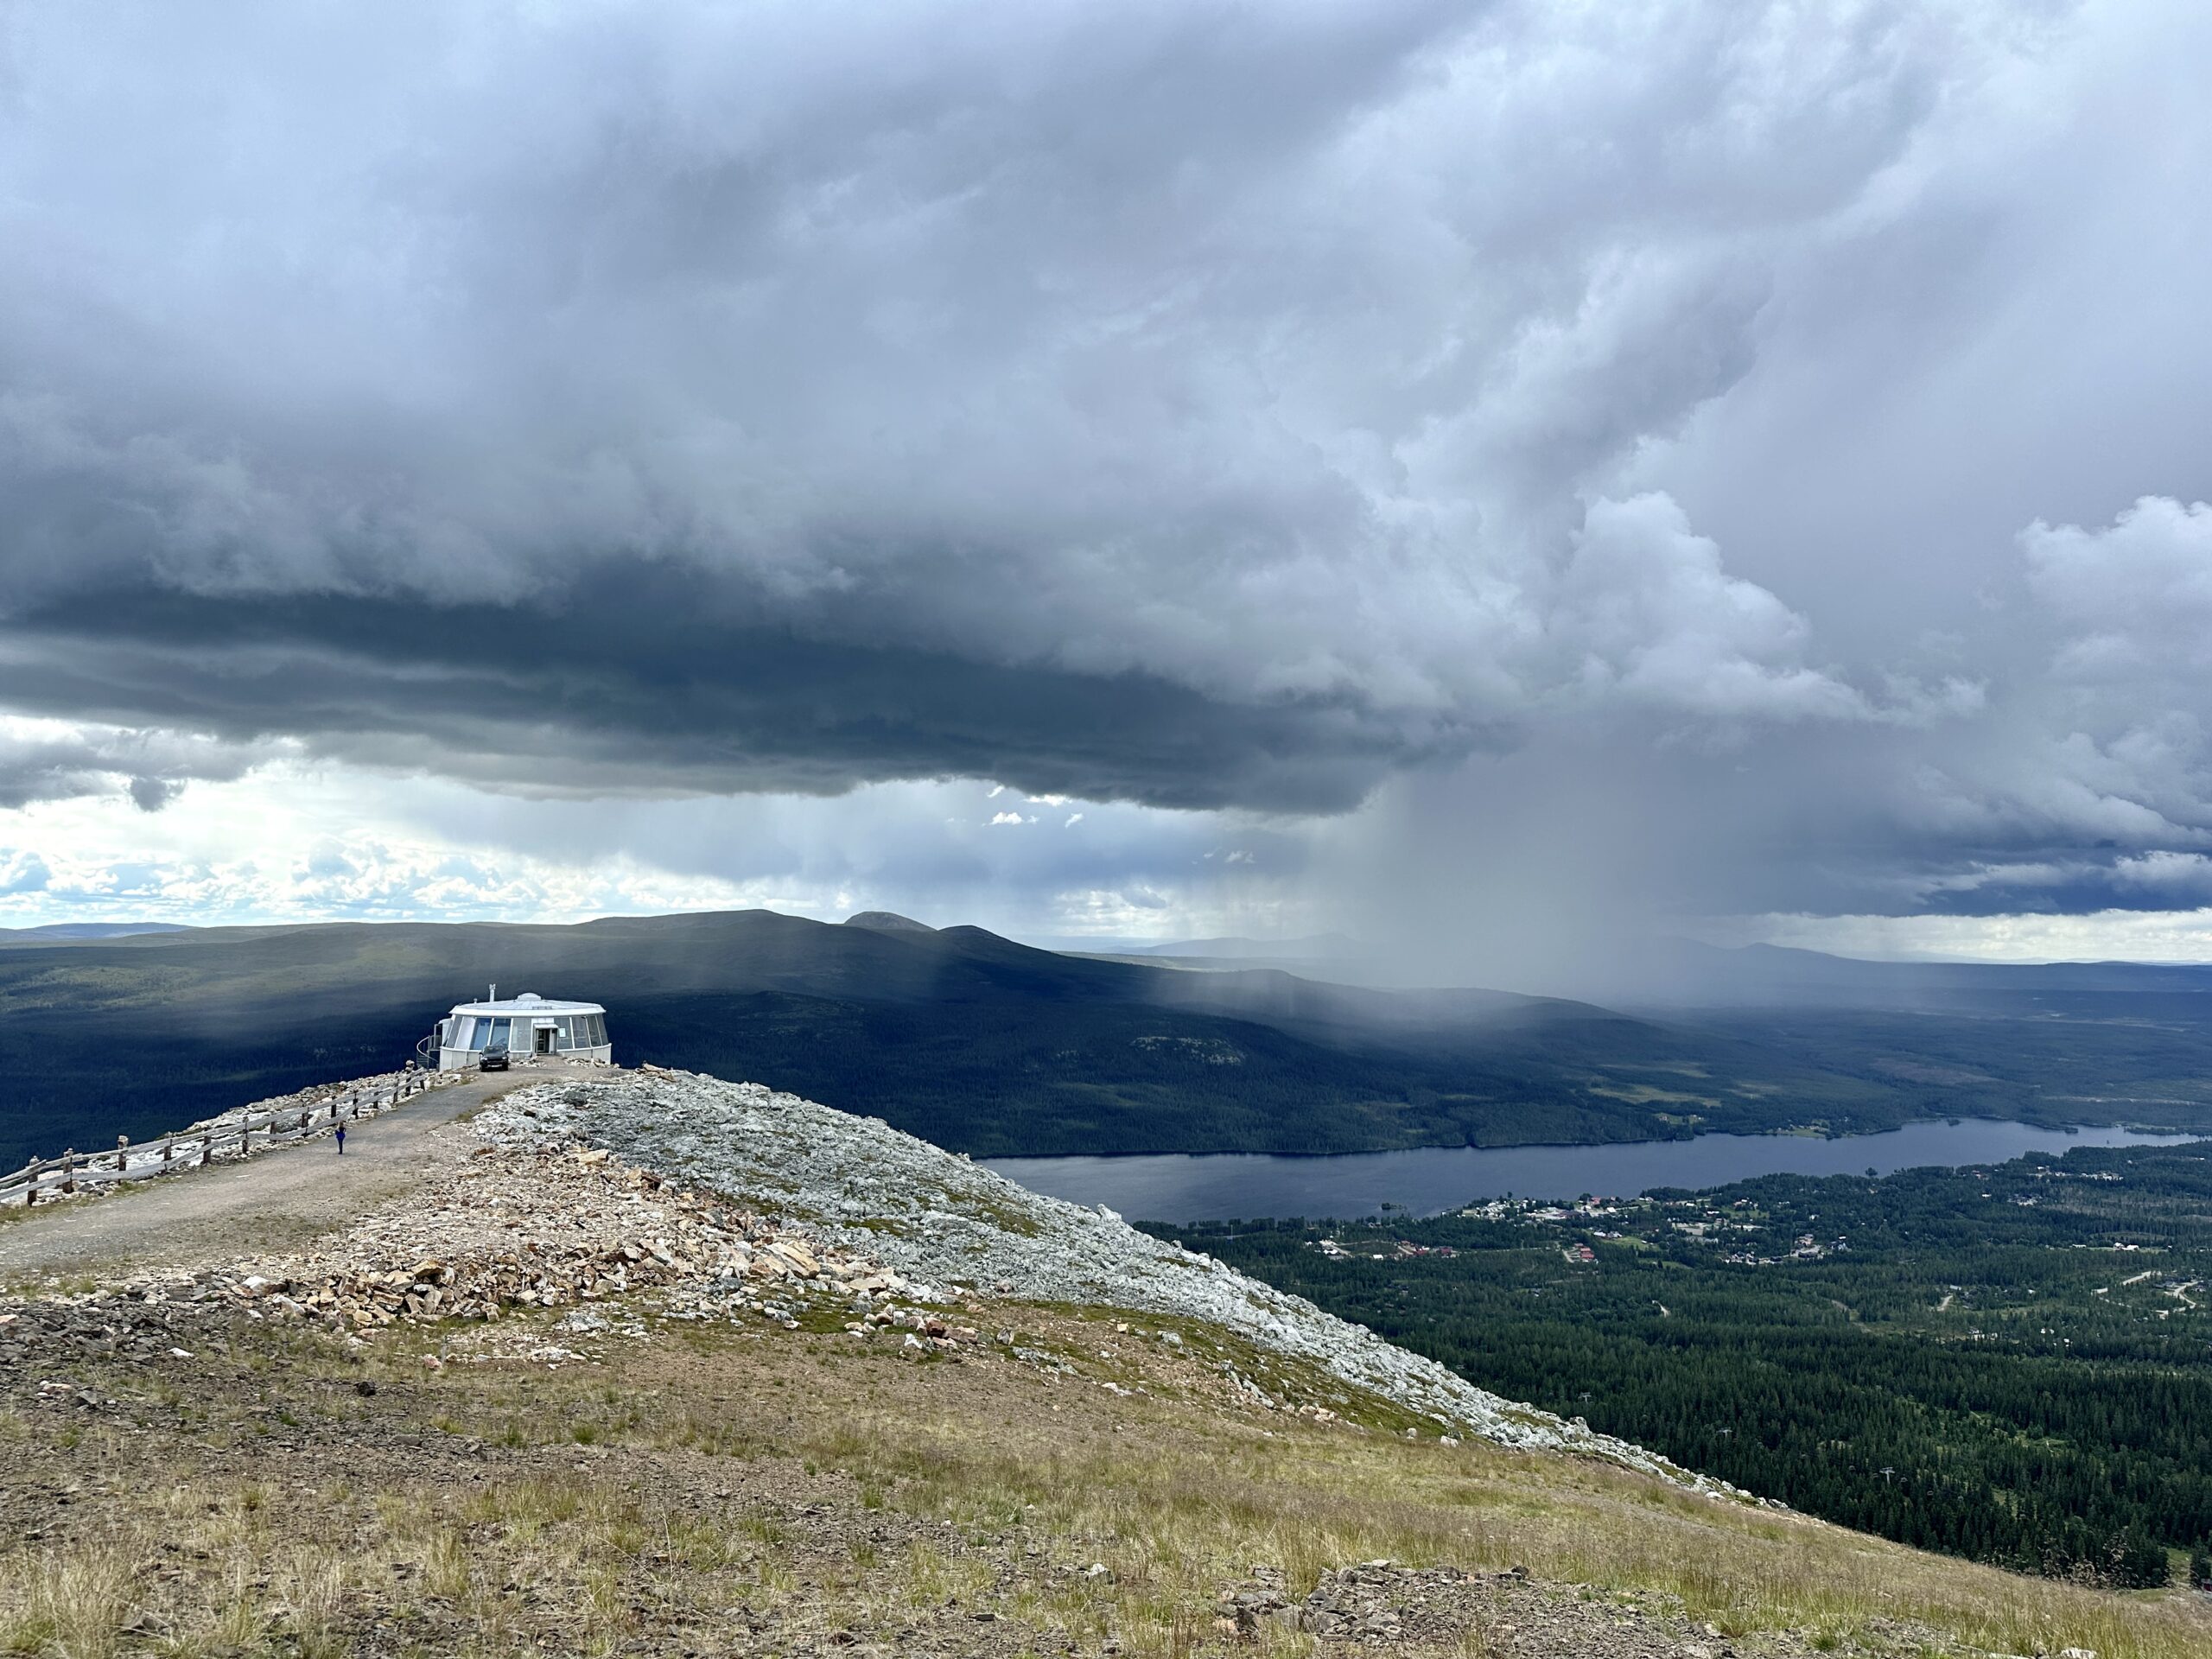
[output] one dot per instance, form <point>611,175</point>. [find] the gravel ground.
<point>945,1222</point>
<point>275,1200</point>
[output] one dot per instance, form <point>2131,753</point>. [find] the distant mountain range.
<point>991,1047</point>
<point>1684,973</point>
<point>1316,947</point>
<point>1677,974</point>
<point>90,929</point>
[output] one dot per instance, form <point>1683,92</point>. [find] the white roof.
<point>528,1002</point>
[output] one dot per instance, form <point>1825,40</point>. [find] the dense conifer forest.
<point>2012,1363</point>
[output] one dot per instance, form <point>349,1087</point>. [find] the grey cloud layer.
<point>638,680</point>
<point>61,761</point>
<point>1193,407</point>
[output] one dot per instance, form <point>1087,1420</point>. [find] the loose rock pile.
<point>508,1231</point>
<point>1363,1603</point>
<point>1382,1605</point>
<point>945,1222</point>
<point>111,1328</point>
<point>1354,1604</point>
<point>512,1230</point>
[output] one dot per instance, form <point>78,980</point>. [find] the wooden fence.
<point>229,1136</point>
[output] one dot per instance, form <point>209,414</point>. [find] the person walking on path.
<point>341,1140</point>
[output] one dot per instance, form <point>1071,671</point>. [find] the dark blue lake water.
<point>1429,1179</point>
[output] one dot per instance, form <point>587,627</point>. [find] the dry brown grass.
<point>829,1488</point>
<point>1181,1502</point>
<point>1182,1520</point>
<point>71,1602</point>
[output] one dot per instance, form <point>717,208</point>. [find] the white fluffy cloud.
<point>1647,612</point>
<point>2134,597</point>
<point>336,842</point>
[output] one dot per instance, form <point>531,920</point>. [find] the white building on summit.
<point>520,1026</point>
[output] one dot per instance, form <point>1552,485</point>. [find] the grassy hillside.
<point>715,1490</point>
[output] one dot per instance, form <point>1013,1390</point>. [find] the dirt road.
<point>275,1201</point>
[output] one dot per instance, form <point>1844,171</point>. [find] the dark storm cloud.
<point>629,679</point>
<point>997,394</point>
<point>1702,435</point>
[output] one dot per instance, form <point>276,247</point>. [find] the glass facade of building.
<point>517,1033</point>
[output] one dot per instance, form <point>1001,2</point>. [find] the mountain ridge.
<point>997,1048</point>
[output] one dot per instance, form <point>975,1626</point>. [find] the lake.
<point>1426,1180</point>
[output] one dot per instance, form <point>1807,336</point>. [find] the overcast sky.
<point>1492,479</point>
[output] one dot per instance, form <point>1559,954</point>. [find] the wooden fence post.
<point>364,1099</point>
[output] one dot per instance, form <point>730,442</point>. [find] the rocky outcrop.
<point>508,1231</point>
<point>948,1225</point>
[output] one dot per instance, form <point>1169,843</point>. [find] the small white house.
<point>524,1025</point>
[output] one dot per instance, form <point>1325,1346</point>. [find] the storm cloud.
<point>1769,442</point>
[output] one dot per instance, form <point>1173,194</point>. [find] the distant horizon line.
<point>1057,944</point>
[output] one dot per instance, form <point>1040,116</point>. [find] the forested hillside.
<point>2012,1363</point>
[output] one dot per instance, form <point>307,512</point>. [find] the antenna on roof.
<point>495,991</point>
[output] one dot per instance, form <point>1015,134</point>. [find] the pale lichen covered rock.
<point>947,1224</point>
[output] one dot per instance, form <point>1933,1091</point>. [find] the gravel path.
<point>276,1200</point>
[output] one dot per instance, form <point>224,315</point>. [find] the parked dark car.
<point>495,1059</point>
